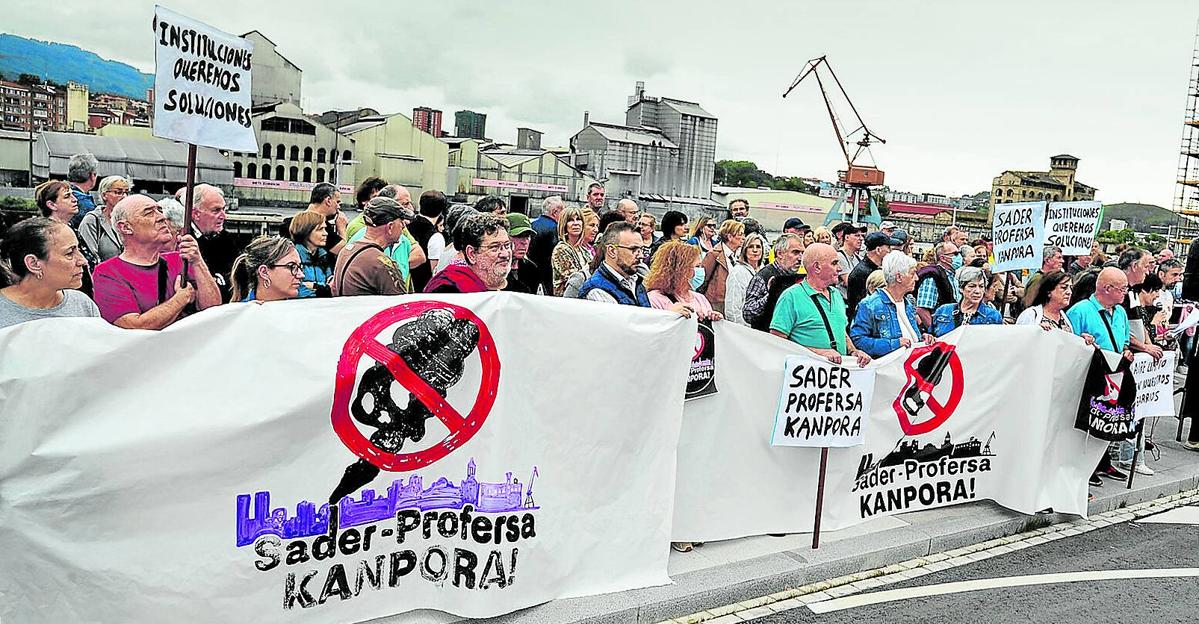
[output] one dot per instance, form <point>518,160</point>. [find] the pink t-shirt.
<point>698,302</point>
<point>126,288</point>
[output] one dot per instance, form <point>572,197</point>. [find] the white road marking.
<point>861,600</point>
<point>1178,515</point>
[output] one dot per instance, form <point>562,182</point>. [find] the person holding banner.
<point>971,310</point>
<point>669,282</point>
<point>268,270</point>
<point>41,269</point>
<point>1047,307</point>
<point>1102,316</point>
<point>144,288</point>
<point>812,312</point>
<point>886,320</point>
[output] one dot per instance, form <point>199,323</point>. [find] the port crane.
<point>858,178</point>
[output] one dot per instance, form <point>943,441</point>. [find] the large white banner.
<point>986,414</point>
<point>487,463</point>
<point>201,84</point>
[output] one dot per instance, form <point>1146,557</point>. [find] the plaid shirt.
<point>926,295</point>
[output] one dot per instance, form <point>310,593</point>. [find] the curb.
<point>720,591</point>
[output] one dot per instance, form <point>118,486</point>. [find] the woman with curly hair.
<point>670,280</point>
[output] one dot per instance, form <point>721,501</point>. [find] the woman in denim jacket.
<point>971,310</point>
<point>886,320</point>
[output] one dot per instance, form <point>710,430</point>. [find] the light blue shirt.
<point>1087,317</point>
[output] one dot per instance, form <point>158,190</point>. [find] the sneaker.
<point>1115,473</point>
<point>1096,481</point>
<point>1143,469</point>
<point>1194,446</point>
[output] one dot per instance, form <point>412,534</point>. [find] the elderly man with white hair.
<point>886,320</point>
<point>144,288</point>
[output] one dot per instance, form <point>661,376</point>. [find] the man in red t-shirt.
<point>141,288</point>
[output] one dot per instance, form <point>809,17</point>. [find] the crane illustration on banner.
<point>858,178</point>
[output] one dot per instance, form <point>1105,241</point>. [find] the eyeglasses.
<point>292,267</point>
<point>119,191</point>
<point>498,247</point>
<point>638,250</point>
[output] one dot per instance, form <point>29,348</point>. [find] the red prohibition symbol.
<point>364,342</point>
<point>924,369</point>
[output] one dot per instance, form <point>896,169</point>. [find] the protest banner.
<point>201,84</point>
<point>821,404</point>
<point>1155,384</point>
<point>1072,225</point>
<point>355,474</point>
<point>1018,232</point>
<point>1109,393</point>
<point>701,380</point>
<point>996,422</point>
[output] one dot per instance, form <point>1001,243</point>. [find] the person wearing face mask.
<point>672,282</point>
<point>935,286</point>
<point>41,269</point>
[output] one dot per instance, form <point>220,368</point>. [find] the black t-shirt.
<point>219,251</point>
<point>422,230</point>
<point>856,290</point>
<point>524,277</point>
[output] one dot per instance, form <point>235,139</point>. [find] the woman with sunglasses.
<point>269,270</point>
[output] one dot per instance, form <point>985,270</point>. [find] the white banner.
<point>1072,226</point>
<point>1018,231</point>
<point>147,475</point>
<point>821,404</point>
<point>201,84</point>
<point>1155,384</point>
<point>990,418</point>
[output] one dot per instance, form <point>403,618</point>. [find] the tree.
<point>741,173</point>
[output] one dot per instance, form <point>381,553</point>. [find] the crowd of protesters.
<point>846,293</point>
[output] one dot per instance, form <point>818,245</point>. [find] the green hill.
<point>1140,217</point>
<point>62,63</point>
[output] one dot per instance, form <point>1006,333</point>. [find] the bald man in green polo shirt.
<point>812,313</point>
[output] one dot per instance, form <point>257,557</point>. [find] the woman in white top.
<point>750,258</point>
<point>1049,304</point>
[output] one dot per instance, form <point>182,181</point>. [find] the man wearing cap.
<point>887,227</point>
<point>851,251</point>
<point>878,245</point>
<point>905,241</point>
<point>364,266</point>
<point>796,226</point>
<point>524,276</point>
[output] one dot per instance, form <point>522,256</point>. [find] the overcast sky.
<point>960,90</point>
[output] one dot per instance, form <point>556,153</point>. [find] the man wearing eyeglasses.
<point>616,279</point>
<point>935,285</point>
<point>486,257</point>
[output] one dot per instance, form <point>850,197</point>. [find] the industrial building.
<point>295,153</point>
<point>523,177</point>
<point>663,155</point>
<point>427,120</point>
<point>392,148</point>
<point>155,165</point>
<point>273,78</point>
<point>1057,184</point>
<point>470,125</point>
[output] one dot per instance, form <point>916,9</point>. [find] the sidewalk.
<point>722,573</point>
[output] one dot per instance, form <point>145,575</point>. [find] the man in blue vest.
<point>616,279</point>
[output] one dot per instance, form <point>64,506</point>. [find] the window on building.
<point>266,172</point>
<point>320,155</point>
<point>252,170</point>
<point>320,174</point>
<point>237,170</point>
<point>266,150</point>
<point>293,174</point>
<point>307,154</point>
<point>346,155</point>
<point>1056,198</point>
<point>280,172</point>
<point>295,153</point>
<point>280,150</point>
<point>1009,192</point>
<point>307,174</point>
